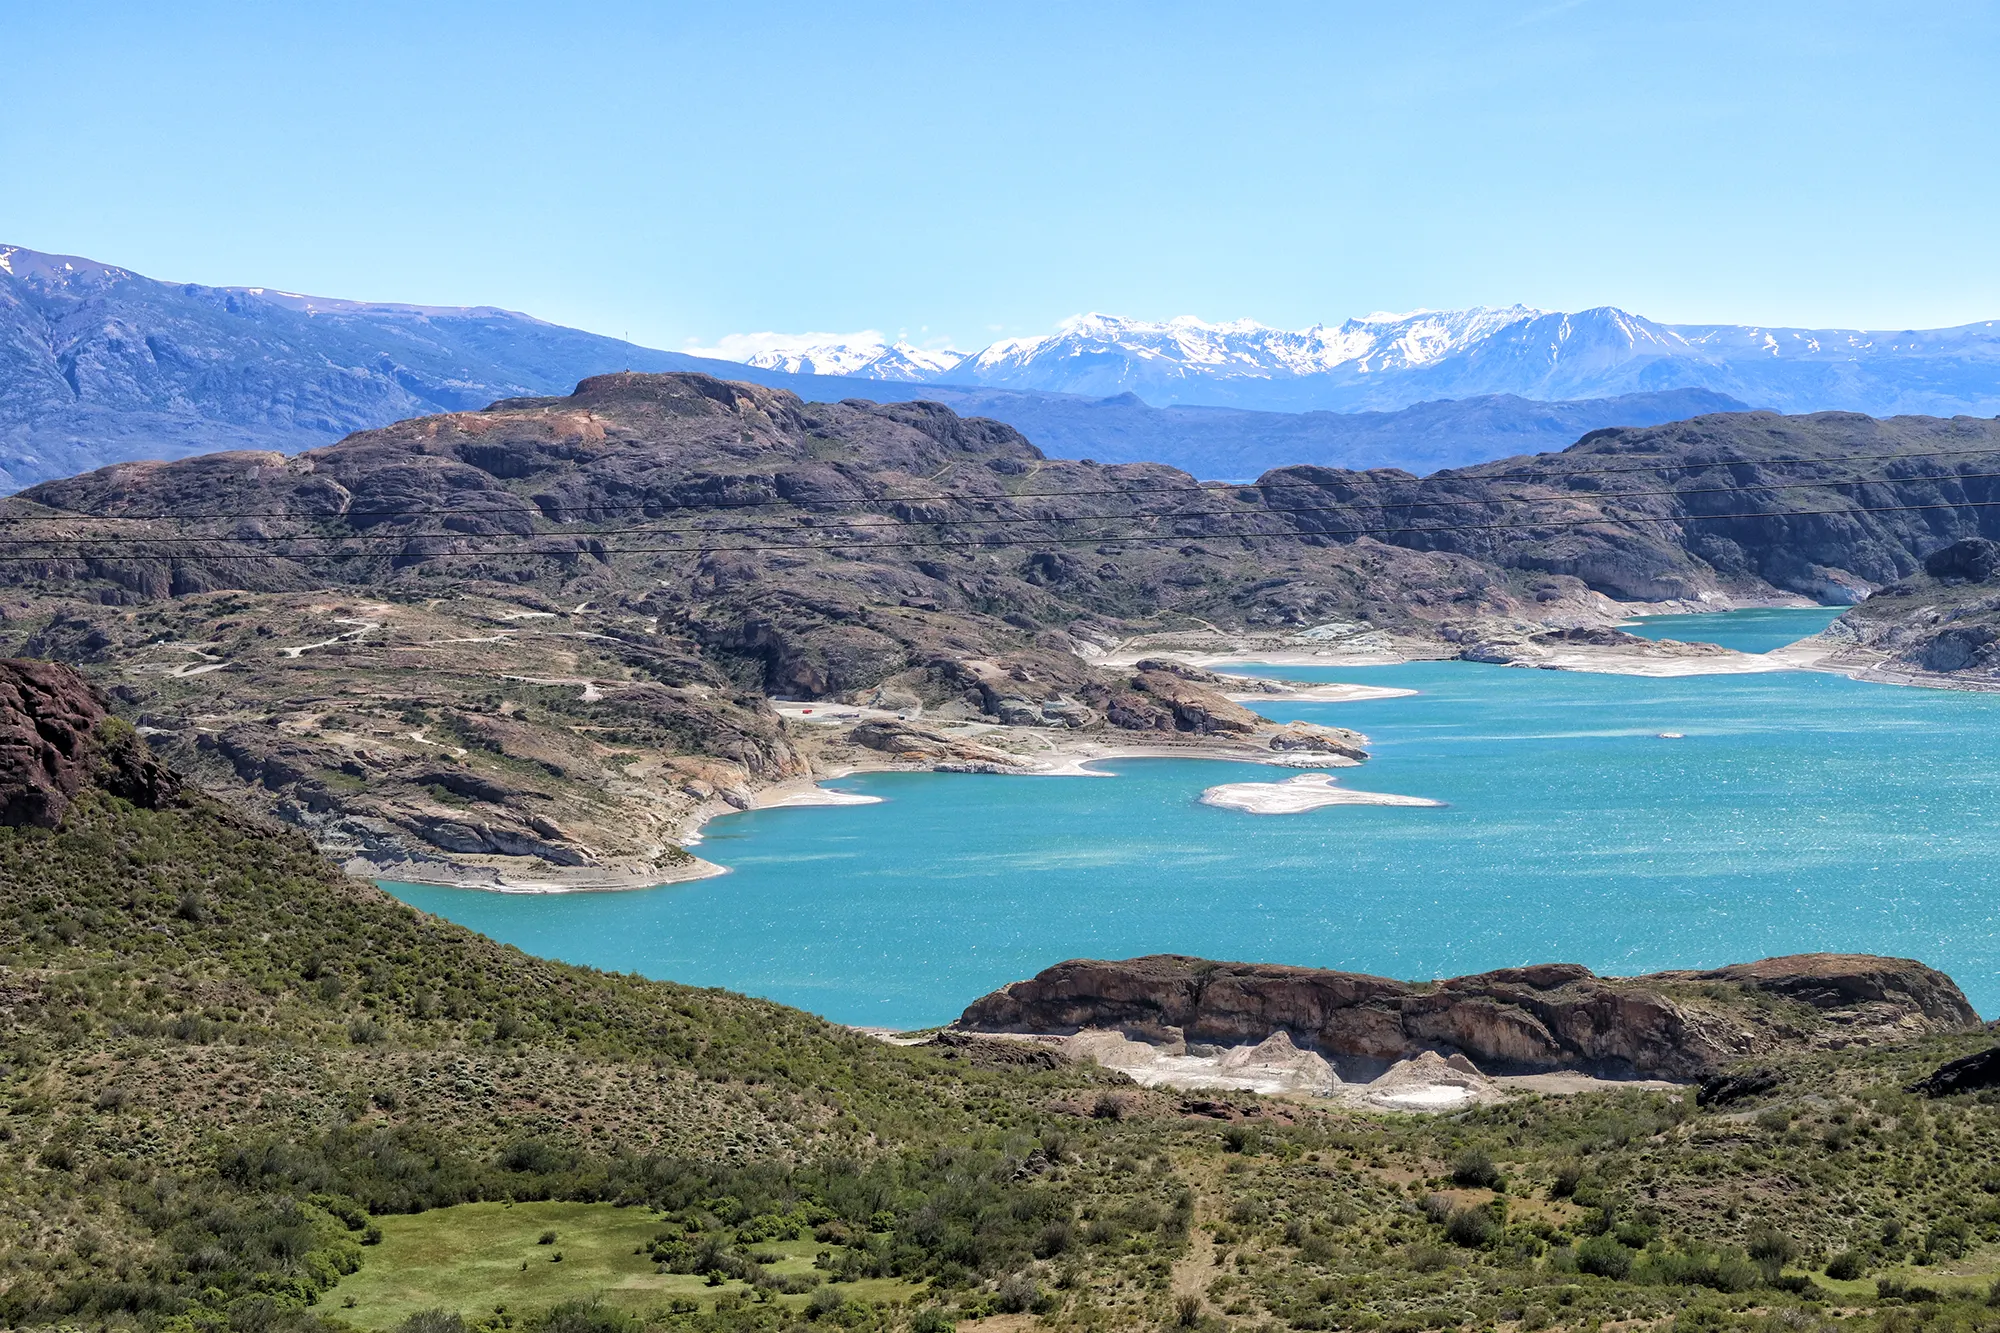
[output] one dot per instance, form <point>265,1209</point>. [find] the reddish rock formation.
<point>54,742</point>
<point>1551,1016</point>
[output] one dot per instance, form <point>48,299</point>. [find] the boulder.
<point>1972,559</point>
<point>1722,1089</point>
<point>1969,1074</point>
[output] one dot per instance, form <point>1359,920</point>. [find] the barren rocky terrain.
<point>537,643</point>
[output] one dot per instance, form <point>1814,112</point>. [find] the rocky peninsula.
<point>1524,1020</point>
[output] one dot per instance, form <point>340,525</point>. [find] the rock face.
<point>1942,623</point>
<point>54,741</point>
<point>1546,1017</point>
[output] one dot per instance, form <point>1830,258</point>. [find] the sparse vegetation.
<point>199,1139</point>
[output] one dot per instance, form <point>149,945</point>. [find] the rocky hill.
<point>462,673</point>
<point>1829,506</point>
<point>1938,626</point>
<point>540,638</point>
<point>1525,1019</point>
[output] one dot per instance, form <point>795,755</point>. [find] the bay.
<point>1757,630</point>
<point>1797,812</point>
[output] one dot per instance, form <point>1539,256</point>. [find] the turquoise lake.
<point>1754,631</point>
<point>1800,812</point>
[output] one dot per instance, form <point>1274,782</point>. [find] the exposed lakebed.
<point>1795,812</point>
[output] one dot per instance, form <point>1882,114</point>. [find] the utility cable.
<point>1053,519</point>
<point>1102,539</point>
<point>528,506</point>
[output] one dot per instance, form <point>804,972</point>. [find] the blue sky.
<point>965,172</point>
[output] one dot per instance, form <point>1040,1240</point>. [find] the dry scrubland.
<point>243,1091</point>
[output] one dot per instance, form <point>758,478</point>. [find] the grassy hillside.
<point>243,1092</point>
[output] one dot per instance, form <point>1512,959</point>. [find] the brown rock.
<point>1195,706</point>
<point>56,738</point>
<point>1551,1016</point>
<point>1309,738</point>
<point>1842,980</point>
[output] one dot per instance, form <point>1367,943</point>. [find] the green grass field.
<point>478,1257</point>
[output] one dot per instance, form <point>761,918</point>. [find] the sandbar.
<point>1308,791</point>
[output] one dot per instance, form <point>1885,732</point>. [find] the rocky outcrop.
<point>1942,625</point>
<point>1545,1017</point>
<point>1973,1073</point>
<point>1846,982</point>
<point>916,745</point>
<point>1971,559</point>
<point>56,738</point>
<point>1722,1089</point>
<point>1308,738</point>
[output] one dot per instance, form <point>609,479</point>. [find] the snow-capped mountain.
<point>1087,345</point>
<point>865,355</point>
<point>1387,362</point>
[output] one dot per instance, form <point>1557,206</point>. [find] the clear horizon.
<point>676,175</point>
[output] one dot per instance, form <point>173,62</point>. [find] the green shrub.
<point>1704,1266</point>
<point>584,1316</point>
<point>433,1321</point>
<point>1604,1257</point>
<point>1473,1228</point>
<point>1474,1169</point>
<point>1846,1266</point>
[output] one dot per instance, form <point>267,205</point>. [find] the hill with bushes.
<point>234,1079</point>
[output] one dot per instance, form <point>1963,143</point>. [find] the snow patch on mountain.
<point>866,355</point>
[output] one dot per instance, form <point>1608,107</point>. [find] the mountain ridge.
<point>1385,362</point>
<point>100,365</point>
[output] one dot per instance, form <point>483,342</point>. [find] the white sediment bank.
<point>1308,791</point>
<point>819,796</point>
<point>499,878</point>
<point>1272,1066</point>
<point>1427,1083</point>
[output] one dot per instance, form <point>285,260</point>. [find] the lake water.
<point>1755,631</point>
<point>1800,812</point>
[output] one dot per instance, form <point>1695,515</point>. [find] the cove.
<point>1801,812</point>
<point>1758,630</point>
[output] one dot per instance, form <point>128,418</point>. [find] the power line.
<point>529,507</point>
<point>1051,519</point>
<point>1098,540</point>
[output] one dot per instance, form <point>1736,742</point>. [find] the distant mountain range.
<point>1232,444</point>
<point>100,365</point>
<point>1385,362</point>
